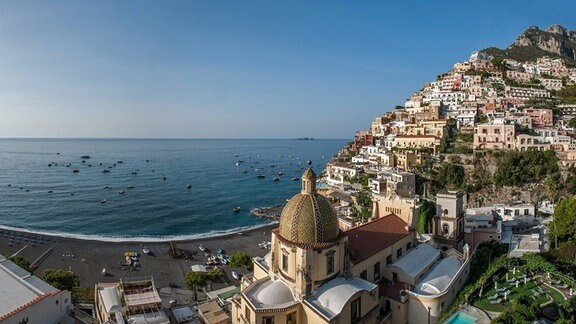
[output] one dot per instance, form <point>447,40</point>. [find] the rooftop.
<point>371,238</point>
<point>438,279</point>
<point>18,288</point>
<point>331,297</point>
<point>417,260</point>
<point>269,294</point>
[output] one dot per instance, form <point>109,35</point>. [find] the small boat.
<point>134,173</point>
<point>164,177</point>
<point>295,179</point>
<point>272,165</point>
<point>261,176</point>
<point>119,162</point>
<point>276,179</point>
<point>121,192</point>
<point>145,250</point>
<point>245,171</point>
<point>309,162</point>
<point>236,209</point>
<point>189,186</point>
<point>76,171</point>
<point>103,201</point>
<point>84,157</point>
<point>280,173</point>
<point>105,171</point>
<point>202,248</point>
<point>50,191</point>
<point>130,186</point>
<point>147,160</point>
<point>236,275</point>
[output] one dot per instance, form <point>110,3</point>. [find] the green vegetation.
<point>194,280</point>
<point>241,260</point>
<point>83,294</point>
<point>519,168</point>
<point>451,175</point>
<point>214,275</point>
<point>425,213</point>
<point>524,309</point>
<point>21,262</point>
<point>563,227</point>
<point>567,95</point>
<point>61,279</point>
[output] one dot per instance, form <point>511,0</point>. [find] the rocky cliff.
<point>555,41</point>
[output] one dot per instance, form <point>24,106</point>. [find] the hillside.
<point>555,41</point>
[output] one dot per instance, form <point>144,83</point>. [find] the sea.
<point>149,189</point>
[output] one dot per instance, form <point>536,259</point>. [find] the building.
<point>430,142</point>
<point>129,301</point>
<point>338,172</point>
<point>306,278</point>
<point>540,117</point>
<point>513,211</point>
<point>494,135</point>
<point>396,181</point>
<point>25,298</point>
<point>448,224</point>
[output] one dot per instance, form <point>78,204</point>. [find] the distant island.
<point>305,139</point>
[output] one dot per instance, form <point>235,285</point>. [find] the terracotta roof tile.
<point>371,238</point>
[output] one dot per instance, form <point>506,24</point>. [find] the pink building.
<point>495,135</point>
<point>540,117</point>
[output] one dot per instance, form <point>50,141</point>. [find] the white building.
<point>513,211</point>
<point>26,297</point>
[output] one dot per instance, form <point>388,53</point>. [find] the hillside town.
<point>454,207</point>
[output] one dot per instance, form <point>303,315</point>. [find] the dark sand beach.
<point>88,258</point>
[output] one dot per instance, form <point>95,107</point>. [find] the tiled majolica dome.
<point>309,218</point>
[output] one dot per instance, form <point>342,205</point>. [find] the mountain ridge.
<point>555,41</point>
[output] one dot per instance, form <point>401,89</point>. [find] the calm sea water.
<point>53,199</point>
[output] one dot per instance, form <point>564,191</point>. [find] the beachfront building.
<point>133,300</point>
<point>306,277</point>
<point>25,298</point>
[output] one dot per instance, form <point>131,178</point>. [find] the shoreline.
<point>88,257</point>
<point>141,239</point>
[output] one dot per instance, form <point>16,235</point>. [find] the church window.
<point>399,253</point>
<point>389,260</point>
<point>284,262</point>
<point>445,229</point>
<point>376,271</point>
<point>291,318</point>
<point>355,311</point>
<point>330,262</point>
<point>408,246</point>
<point>364,274</point>
<point>247,313</point>
<point>268,320</point>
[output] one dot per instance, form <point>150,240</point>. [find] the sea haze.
<point>53,199</point>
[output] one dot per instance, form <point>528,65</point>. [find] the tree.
<point>425,213</point>
<point>451,175</point>
<point>214,275</point>
<point>563,227</point>
<point>61,279</point>
<point>241,260</point>
<point>195,279</point>
<point>20,261</point>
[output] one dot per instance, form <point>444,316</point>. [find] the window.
<point>330,262</point>
<point>517,212</point>
<point>376,271</point>
<point>268,320</point>
<point>284,262</point>
<point>355,311</point>
<point>394,276</point>
<point>291,318</point>
<point>247,313</point>
<point>408,246</point>
<point>364,275</point>
<point>526,211</point>
<point>389,260</point>
<point>399,253</point>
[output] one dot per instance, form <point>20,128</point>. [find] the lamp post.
<point>429,308</point>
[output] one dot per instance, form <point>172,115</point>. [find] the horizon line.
<point>168,138</point>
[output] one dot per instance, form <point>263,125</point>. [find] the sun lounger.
<point>496,301</point>
<point>511,280</point>
<point>561,286</point>
<point>501,290</point>
<point>495,296</point>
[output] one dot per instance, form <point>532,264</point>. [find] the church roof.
<point>417,259</point>
<point>439,278</point>
<point>331,297</point>
<point>309,218</point>
<point>371,238</point>
<point>270,294</point>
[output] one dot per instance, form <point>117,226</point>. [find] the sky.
<point>235,69</point>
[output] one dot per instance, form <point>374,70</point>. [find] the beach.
<point>88,258</point>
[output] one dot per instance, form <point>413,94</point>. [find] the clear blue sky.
<point>235,69</point>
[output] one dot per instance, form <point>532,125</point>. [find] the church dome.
<point>309,218</point>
